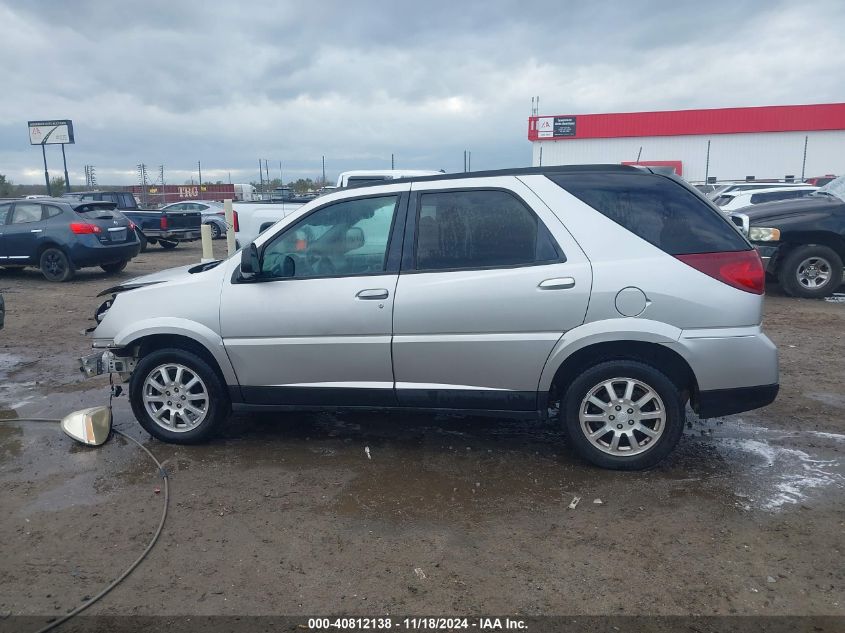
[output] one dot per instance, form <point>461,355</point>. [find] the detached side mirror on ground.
<point>89,426</point>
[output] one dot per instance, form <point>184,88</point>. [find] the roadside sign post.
<point>64,162</point>
<point>57,132</point>
<point>46,173</point>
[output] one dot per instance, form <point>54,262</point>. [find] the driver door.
<point>315,326</point>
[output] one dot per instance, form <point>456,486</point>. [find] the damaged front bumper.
<point>107,362</point>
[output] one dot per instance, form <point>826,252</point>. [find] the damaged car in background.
<point>482,293</point>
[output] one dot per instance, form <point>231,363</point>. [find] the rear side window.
<point>657,209</point>
<point>26,212</point>
<point>127,201</point>
<point>480,229</point>
<point>4,211</point>
<point>51,211</point>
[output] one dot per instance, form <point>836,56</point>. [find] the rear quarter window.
<point>656,209</point>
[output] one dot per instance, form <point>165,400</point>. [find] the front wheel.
<point>168,245</point>
<point>55,265</point>
<point>177,397</point>
<point>115,267</point>
<point>623,415</point>
<point>811,272</point>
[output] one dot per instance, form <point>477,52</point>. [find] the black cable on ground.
<point>163,473</point>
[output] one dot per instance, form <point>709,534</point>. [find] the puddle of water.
<point>777,473</point>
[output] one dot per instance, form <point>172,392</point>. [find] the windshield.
<point>834,188</point>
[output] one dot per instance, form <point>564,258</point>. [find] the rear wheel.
<point>168,245</point>
<point>177,397</point>
<point>623,415</point>
<point>115,267</point>
<point>811,272</point>
<point>216,233</point>
<point>55,265</point>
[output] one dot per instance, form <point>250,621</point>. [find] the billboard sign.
<point>51,132</point>
<point>556,126</point>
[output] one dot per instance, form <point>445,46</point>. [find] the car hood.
<point>783,209</point>
<point>162,276</point>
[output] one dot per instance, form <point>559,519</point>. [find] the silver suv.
<point>617,293</point>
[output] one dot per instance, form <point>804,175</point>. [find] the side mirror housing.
<point>88,426</point>
<point>250,262</point>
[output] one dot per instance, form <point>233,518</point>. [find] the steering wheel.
<point>320,264</point>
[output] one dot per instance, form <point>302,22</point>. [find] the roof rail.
<point>516,171</point>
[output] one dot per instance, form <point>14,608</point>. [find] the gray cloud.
<point>227,83</point>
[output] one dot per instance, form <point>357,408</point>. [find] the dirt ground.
<point>448,515</point>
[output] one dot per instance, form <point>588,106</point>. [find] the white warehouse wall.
<point>732,156</point>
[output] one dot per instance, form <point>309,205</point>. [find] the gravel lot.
<point>450,515</point>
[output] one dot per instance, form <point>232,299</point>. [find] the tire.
<point>168,245</point>
<point>178,424</point>
<point>143,239</point>
<point>216,231</point>
<point>55,265</point>
<point>812,271</point>
<point>115,267</point>
<point>652,446</point>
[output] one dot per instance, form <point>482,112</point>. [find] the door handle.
<point>36,230</point>
<point>373,294</point>
<point>559,283</point>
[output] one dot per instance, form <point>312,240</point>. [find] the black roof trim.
<point>516,171</point>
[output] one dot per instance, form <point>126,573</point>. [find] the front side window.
<point>347,238</point>
<point>26,212</point>
<point>4,211</point>
<point>479,229</point>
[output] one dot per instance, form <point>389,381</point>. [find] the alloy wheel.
<point>813,273</point>
<point>175,397</point>
<point>622,416</point>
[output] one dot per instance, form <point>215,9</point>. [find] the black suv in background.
<point>61,235</point>
<point>801,241</point>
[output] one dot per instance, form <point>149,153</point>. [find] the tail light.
<point>83,228</point>
<point>235,224</point>
<point>740,269</point>
<point>164,223</point>
<point>131,225</point>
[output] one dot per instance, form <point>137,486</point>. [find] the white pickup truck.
<point>255,218</point>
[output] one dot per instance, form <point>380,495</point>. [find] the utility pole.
<point>142,181</point>
<point>465,161</point>
<point>199,169</point>
<point>324,171</point>
<point>392,163</point>
<point>804,162</point>
<point>260,176</point>
<point>267,169</point>
<point>469,161</point>
<point>281,179</point>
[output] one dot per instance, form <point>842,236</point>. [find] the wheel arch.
<point>193,337</point>
<point>632,339</point>
<point>795,239</point>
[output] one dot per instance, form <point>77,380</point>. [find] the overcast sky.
<point>228,82</point>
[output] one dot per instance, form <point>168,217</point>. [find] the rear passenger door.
<point>21,233</point>
<point>490,280</point>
